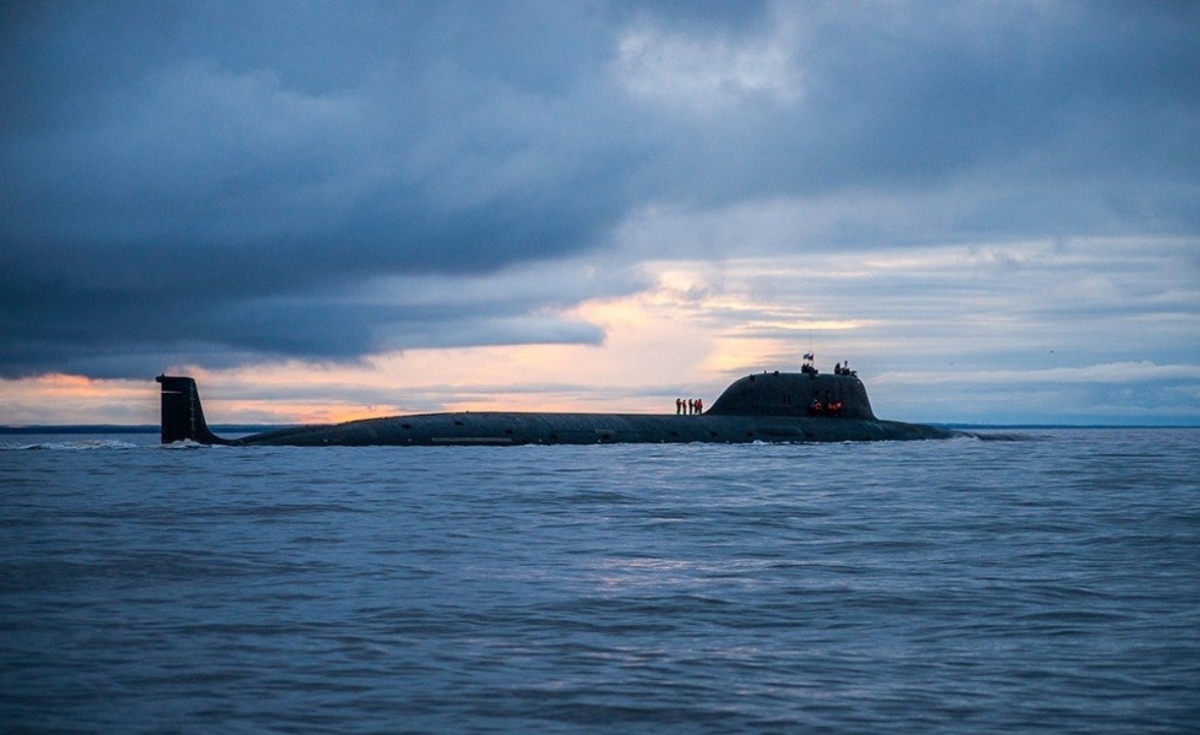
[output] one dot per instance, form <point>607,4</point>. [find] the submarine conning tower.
<point>789,394</point>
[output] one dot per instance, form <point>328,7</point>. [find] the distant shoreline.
<point>125,428</point>
<point>254,428</point>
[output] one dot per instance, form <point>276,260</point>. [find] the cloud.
<point>218,186</point>
<point>1113,373</point>
<point>202,204</point>
<point>705,76</point>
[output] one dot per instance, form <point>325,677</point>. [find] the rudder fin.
<point>182,415</point>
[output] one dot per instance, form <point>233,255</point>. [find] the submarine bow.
<point>767,407</point>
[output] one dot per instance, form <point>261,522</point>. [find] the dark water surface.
<point>1049,584</point>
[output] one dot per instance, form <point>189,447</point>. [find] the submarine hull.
<point>504,429</point>
<point>757,408</point>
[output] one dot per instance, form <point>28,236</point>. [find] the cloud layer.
<point>215,185</point>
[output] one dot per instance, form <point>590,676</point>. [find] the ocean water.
<point>1042,582</point>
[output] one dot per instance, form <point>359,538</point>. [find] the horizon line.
<point>153,428</point>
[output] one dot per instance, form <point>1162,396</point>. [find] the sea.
<point>1028,580</point>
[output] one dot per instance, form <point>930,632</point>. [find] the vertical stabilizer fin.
<point>182,416</point>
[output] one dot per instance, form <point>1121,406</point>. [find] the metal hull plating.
<point>504,429</point>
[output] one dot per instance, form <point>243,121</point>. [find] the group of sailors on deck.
<point>689,406</point>
<point>828,407</point>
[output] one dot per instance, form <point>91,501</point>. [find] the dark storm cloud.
<point>1050,106</point>
<point>207,182</point>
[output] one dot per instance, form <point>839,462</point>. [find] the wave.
<point>74,445</point>
<point>1000,436</point>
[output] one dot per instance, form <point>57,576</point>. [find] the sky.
<point>328,210</point>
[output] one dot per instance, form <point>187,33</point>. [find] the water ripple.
<point>1047,581</point>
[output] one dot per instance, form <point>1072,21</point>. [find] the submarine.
<point>767,407</point>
